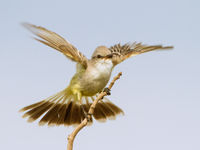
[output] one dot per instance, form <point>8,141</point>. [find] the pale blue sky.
<point>159,91</point>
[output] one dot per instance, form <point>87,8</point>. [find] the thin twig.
<point>72,136</point>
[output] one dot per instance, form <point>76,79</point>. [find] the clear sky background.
<point>159,91</point>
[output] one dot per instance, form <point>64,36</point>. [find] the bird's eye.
<point>99,56</point>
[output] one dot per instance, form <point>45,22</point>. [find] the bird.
<point>70,106</point>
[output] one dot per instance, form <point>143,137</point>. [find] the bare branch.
<point>72,136</point>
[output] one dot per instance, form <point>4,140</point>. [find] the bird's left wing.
<point>122,52</point>
<point>57,42</point>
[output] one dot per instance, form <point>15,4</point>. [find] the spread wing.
<point>57,42</point>
<point>122,52</point>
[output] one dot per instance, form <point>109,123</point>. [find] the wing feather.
<point>122,52</point>
<point>57,42</point>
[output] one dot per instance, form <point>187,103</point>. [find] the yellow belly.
<point>92,80</point>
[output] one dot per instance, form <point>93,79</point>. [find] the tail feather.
<point>77,115</point>
<point>114,108</point>
<point>53,113</point>
<point>99,114</point>
<point>31,106</point>
<point>63,109</point>
<point>62,114</point>
<point>73,113</point>
<point>36,112</point>
<point>68,115</point>
<point>37,109</point>
<point>56,118</point>
<point>50,116</point>
<point>110,114</point>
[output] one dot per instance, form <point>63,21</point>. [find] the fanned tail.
<point>63,109</point>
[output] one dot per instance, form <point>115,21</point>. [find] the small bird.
<point>69,106</point>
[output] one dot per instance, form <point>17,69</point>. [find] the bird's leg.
<point>86,114</point>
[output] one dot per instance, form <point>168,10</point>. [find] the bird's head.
<point>102,52</point>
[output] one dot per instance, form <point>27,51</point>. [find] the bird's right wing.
<point>57,42</point>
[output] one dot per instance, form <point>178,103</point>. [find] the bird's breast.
<point>102,69</point>
<point>97,77</point>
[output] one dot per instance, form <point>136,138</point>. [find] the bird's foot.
<point>107,90</point>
